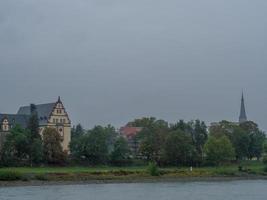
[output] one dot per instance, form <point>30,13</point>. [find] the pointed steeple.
<point>243,115</point>
<point>59,100</point>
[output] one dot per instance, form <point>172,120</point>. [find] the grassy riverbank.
<point>127,174</point>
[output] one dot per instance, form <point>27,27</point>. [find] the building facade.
<point>53,115</point>
<point>129,133</point>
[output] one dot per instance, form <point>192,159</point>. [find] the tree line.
<point>180,144</point>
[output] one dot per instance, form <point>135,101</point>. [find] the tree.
<point>16,147</point>
<point>149,123</point>
<point>199,136</point>
<point>178,148</point>
<point>34,137</point>
<point>219,150</point>
<point>121,152</point>
<point>239,138</point>
<point>52,149</point>
<point>240,141</point>
<point>257,139</point>
<point>151,138</point>
<point>198,131</point>
<point>151,144</point>
<point>93,147</point>
<point>181,125</point>
<point>77,131</point>
<point>37,151</point>
<point>33,123</point>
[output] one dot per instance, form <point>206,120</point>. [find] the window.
<point>64,121</point>
<point>54,120</point>
<point>5,128</point>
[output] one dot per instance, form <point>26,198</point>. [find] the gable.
<point>59,115</point>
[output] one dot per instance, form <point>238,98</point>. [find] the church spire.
<point>243,115</point>
<point>59,100</point>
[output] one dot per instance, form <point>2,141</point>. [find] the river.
<point>222,190</point>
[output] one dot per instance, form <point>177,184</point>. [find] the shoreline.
<point>128,181</point>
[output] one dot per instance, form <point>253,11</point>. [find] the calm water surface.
<point>236,190</point>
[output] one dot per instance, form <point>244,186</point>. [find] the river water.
<point>223,190</point>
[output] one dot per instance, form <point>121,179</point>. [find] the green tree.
<point>219,150</point>
<point>52,149</point>
<point>257,139</point>
<point>178,148</point>
<point>121,152</point>
<point>77,131</point>
<point>181,125</point>
<point>16,147</point>
<point>34,137</point>
<point>33,123</point>
<point>37,151</point>
<point>151,138</point>
<point>149,123</point>
<point>93,147</point>
<point>198,131</point>
<point>240,140</point>
<point>151,144</point>
<point>199,136</point>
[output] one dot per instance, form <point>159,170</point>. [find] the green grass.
<point>40,170</point>
<point>125,173</point>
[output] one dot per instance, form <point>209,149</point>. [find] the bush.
<point>41,177</point>
<point>264,160</point>
<point>10,176</point>
<point>153,169</point>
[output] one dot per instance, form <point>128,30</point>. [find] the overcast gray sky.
<point>115,60</point>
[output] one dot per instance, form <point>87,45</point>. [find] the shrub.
<point>264,160</point>
<point>10,176</point>
<point>41,177</point>
<point>153,169</point>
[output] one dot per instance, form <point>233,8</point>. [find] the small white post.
<point>191,169</point>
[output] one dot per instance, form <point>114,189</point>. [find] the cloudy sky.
<point>115,60</point>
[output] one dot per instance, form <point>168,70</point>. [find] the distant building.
<point>129,133</point>
<point>243,115</point>
<point>8,121</point>
<point>52,115</point>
